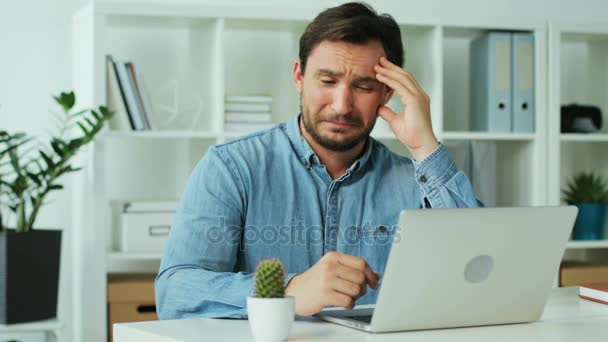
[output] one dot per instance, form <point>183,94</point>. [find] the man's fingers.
<point>341,300</point>
<point>405,93</point>
<point>348,288</point>
<point>390,65</point>
<point>402,78</point>
<point>361,265</point>
<point>352,275</point>
<point>387,114</point>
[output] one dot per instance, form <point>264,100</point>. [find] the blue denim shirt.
<point>267,195</point>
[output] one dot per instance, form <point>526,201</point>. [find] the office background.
<point>36,61</point>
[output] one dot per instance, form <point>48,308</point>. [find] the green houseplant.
<point>29,172</point>
<point>589,193</point>
<point>270,313</point>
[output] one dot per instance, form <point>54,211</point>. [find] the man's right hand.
<point>337,279</point>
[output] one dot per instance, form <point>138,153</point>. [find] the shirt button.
<point>382,229</point>
<point>423,179</point>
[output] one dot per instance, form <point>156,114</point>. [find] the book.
<point>248,107</point>
<point>130,95</point>
<point>245,127</point>
<point>150,206</point>
<point>136,90</point>
<point>249,98</point>
<point>246,117</point>
<point>597,292</point>
<point>121,121</point>
<point>145,100</point>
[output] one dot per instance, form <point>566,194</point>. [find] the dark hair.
<point>356,23</point>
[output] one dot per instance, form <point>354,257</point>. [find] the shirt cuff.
<point>288,278</point>
<point>435,170</point>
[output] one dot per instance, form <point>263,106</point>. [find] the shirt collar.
<point>300,145</point>
<point>306,154</point>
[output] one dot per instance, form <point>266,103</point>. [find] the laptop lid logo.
<point>479,269</point>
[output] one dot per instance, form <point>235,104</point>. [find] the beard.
<point>311,124</point>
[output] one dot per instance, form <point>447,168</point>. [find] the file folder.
<point>523,82</point>
<point>490,94</point>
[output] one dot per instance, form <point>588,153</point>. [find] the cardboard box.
<point>130,299</point>
<point>578,273</point>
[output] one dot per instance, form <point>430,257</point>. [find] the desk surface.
<point>566,318</point>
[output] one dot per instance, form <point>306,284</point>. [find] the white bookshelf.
<point>208,51</point>
<point>578,73</point>
<point>46,330</point>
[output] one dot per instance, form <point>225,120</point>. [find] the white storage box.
<point>145,232</point>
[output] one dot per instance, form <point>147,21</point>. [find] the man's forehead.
<point>339,58</point>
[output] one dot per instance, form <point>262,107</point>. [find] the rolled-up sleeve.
<point>442,184</point>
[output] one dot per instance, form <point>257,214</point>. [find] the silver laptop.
<point>466,267</point>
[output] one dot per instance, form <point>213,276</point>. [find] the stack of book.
<point>245,113</point>
<point>127,97</point>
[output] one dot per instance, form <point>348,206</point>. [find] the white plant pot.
<point>270,319</point>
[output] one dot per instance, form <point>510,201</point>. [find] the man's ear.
<point>298,76</point>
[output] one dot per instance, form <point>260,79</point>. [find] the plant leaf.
<point>49,162</point>
<point>66,100</point>
<point>56,187</point>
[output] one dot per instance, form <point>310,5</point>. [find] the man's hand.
<point>413,126</point>
<point>337,279</point>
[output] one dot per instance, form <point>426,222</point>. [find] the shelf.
<point>162,134</point>
<point>582,137</point>
<point>46,325</point>
<point>486,136</point>
<point>185,10</point>
<point>587,244</point>
<point>123,256</point>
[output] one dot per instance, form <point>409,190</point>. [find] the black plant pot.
<point>29,275</point>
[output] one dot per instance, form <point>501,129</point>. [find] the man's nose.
<point>343,100</point>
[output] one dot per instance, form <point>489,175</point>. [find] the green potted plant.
<point>270,312</point>
<point>589,193</point>
<point>29,172</point>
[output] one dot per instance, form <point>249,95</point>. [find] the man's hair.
<point>355,23</point>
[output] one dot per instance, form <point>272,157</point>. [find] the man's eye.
<point>365,88</point>
<point>328,81</point>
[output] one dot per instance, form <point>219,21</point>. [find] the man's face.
<point>339,93</point>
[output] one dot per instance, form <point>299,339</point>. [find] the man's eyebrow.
<point>329,72</point>
<point>332,73</point>
<point>365,79</point>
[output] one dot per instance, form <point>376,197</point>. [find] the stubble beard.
<point>342,145</point>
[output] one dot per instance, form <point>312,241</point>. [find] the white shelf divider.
<point>587,244</point>
<point>486,136</point>
<point>46,325</point>
<point>124,256</point>
<point>582,137</point>
<point>169,134</point>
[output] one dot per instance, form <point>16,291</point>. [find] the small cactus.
<point>270,279</point>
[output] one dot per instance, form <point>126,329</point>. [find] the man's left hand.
<point>413,126</point>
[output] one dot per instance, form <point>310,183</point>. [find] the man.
<point>316,192</point>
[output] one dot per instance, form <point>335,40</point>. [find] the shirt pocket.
<point>375,245</point>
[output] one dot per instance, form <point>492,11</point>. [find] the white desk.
<point>566,318</point>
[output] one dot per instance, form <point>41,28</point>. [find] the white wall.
<point>35,51</point>
<point>35,54</point>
